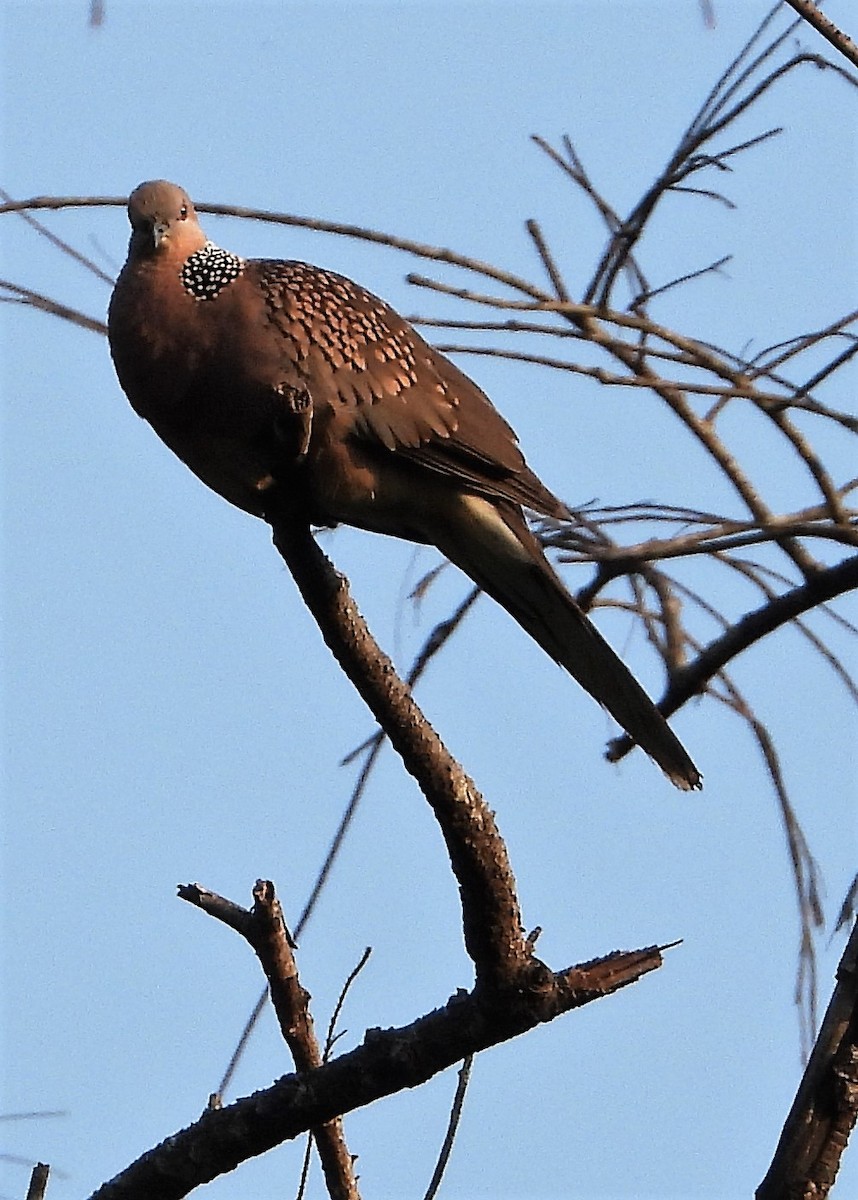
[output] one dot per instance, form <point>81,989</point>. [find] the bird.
<point>273,378</point>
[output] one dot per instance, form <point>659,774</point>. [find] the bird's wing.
<point>386,387</point>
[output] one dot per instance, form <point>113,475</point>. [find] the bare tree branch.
<point>492,924</point>
<point>825,1108</point>
<point>814,16</point>
<point>452,1127</point>
<point>823,585</point>
<point>22,295</point>
<point>388,1061</point>
<point>38,1182</point>
<point>514,990</point>
<point>265,929</point>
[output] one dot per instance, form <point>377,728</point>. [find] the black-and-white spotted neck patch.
<point>209,270</point>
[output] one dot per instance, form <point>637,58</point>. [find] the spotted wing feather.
<point>362,359</point>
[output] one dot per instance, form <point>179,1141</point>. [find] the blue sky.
<point>170,713</point>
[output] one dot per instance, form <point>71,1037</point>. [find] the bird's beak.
<point>160,231</point>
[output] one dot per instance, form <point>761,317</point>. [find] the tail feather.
<point>507,562</point>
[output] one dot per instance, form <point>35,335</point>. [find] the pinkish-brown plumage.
<point>271,378</point>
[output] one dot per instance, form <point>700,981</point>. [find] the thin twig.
<point>60,244</point>
<point>823,585</point>
<point>452,1127</point>
<point>249,1026</point>
<point>341,999</point>
<point>22,295</point>
<point>547,260</point>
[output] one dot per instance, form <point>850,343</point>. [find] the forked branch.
<point>514,991</point>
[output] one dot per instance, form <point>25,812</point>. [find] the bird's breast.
<point>189,361</point>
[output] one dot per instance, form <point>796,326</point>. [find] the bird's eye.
<point>183,212</point>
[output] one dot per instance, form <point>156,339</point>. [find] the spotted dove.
<point>273,378</point>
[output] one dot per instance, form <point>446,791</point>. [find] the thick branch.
<point>826,1105</point>
<point>38,1182</point>
<point>492,923</point>
<point>388,1061</point>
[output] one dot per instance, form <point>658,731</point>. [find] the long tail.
<point>493,545</point>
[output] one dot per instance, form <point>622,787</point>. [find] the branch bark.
<point>38,1182</point>
<point>265,929</point>
<point>825,1108</point>
<point>513,992</point>
<point>491,917</point>
<point>817,19</point>
<point>388,1061</point>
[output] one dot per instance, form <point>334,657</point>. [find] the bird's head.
<point>163,221</point>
